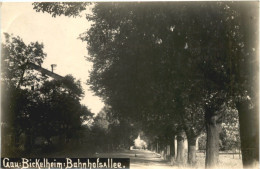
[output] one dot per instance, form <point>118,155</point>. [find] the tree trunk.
<point>172,148</point>
<point>164,152</point>
<point>248,109</point>
<point>150,147</point>
<point>21,78</point>
<point>192,150</point>
<point>180,147</point>
<point>248,135</point>
<point>212,147</point>
<point>157,147</point>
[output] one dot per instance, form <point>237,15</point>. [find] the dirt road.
<point>145,159</point>
<point>140,159</point>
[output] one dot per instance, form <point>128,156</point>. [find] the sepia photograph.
<point>137,84</point>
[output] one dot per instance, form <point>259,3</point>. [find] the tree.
<point>73,9</point>
<point>51,109</point>
<point>118,134</point>
<point>60,109</point>
<point>193,127</point>
<point>15,58</point>
<point>247,70</point>
<point>207,42</point>
<point>150,52</point>
<point>15,76</point>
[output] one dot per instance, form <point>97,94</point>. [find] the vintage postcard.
<point>137,84</point>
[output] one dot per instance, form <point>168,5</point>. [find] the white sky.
<point>59,36</point>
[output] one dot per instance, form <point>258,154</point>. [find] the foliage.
<point>61,8</point>
<point>150,61</point>
<point>50,110</point>
<point>230,136</point>
<point>14,58</point>
<point>202,142</point>
<point>59,109</point>
<point>15,76</point>
<point>118,134</point>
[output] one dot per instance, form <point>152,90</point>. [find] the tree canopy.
<point>32,105</point>
<point>155,62</point>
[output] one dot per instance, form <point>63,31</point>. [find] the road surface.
<point>140,159</point>
<point>145,159</point>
